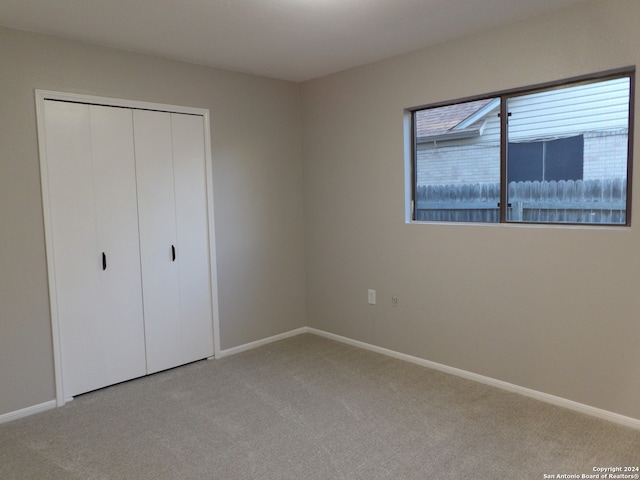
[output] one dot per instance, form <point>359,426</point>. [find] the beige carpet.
<point>309,408</point>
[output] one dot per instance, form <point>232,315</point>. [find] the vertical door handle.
<point>104,261</point>
<point>173,253</point>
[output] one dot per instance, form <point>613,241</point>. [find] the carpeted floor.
<point>309,408</point>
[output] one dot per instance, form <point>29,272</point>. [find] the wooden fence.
<point>579,201</point>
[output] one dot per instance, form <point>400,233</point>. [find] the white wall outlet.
<point>372,297</point>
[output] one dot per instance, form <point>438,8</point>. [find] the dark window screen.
<point>524,161</point>
<point>560,159</point>
<point>563,159</point>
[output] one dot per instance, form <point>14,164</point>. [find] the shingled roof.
<point>461,120</point>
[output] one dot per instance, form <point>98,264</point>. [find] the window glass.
<point>546,155</point>
<point>567,154</point>
<point>457,150</point>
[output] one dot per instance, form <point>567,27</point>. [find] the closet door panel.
<point>156,211</point>
<point>117,228</point>
<point>73,234</point>
<point>193,234</point>
<point>91,181</point>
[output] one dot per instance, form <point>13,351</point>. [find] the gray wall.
<point>552,309</point>
<point>256,148</point>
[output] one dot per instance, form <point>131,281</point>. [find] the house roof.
<point>450,122</point>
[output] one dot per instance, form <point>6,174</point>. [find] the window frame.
<point>504,95</point>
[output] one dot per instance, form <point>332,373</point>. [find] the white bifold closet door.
<point>172,206</point>
<point>94,233</point>
<point>126,214</point>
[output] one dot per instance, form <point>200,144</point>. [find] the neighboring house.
<point>574,133</point>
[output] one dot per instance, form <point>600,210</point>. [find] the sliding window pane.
<point>457,162</point>
<point>567,154</point>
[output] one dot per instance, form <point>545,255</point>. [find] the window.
<point>546,160</point>
<point>558,153</point>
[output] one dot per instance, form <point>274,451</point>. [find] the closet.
<point>127,220</point>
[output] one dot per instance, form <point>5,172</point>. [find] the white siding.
<point>569,111</point>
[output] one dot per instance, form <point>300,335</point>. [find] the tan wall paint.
<point>553,309</point>
<point>256,148</point>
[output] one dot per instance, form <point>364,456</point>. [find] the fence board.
<point>580,201</point>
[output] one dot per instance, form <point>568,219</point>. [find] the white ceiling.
<point>288,39</point>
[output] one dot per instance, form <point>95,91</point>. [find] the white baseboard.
<point>259,343</point>
<point>527,392</point>
<point>25,412</point>
<point>7,417</point>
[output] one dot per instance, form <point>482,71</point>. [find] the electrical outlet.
<point>394,300</point>
<point>371,295</point>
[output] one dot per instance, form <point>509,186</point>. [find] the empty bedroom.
<point>319,239</point>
